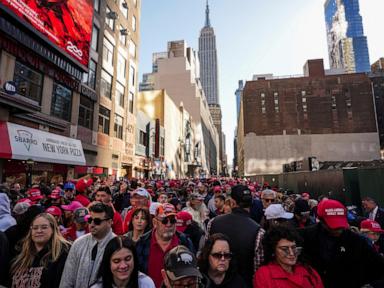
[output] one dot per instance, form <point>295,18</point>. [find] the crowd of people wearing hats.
<point>216,232</point>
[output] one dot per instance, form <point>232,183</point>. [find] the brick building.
<point>331,117</point>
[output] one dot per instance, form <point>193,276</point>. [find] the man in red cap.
<point>154,245</point>
<point>82,187</point>
<point>372,231</point>
<point>341,257</point>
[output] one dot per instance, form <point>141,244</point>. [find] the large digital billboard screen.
<point>65,23</point>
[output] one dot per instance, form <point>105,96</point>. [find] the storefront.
<point>41,156</point>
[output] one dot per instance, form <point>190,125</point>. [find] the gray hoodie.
<point>6,220</point>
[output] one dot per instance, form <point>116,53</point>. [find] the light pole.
<point>30,164</point>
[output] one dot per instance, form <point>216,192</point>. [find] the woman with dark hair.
<point>42,258</point>
<point>282,265</point>
<point>119,267</point>
<point>140,223</point>
<point>216,263</point>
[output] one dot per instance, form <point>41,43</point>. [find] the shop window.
<point>106,84</point>
<point>61,102</point>
<point>86,112</point>
<point>29,83</point>
<point>104,120</point>
<point>118,127</point>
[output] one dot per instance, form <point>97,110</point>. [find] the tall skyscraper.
<point>208,60</point>
<point>347,45</point>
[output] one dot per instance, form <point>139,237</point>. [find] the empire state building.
<point>208,60</point>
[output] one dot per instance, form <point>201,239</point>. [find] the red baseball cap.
<point>55,211</point>
<point>34,194</point>
<point>55,194</point>
<point>370,225</point>
<point>333,213</point>
<point>183,220</point>
<point>217,189</point>
<point>83,184</point>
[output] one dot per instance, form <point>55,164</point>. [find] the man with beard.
<point>154,245</point>
<point>86,253</point>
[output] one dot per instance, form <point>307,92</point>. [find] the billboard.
<point>65,23</point>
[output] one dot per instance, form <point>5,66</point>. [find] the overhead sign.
<point>28,143</point>
<point>67,24</point>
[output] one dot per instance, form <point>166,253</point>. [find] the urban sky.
<point>253,37</point>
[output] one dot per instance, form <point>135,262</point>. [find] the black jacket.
<point>242,232</point>
<point>345,261</point>
<point>230,281</point>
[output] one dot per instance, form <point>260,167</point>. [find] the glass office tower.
<point>347,45</point>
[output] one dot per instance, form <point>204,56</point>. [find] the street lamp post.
<point>30,164</point>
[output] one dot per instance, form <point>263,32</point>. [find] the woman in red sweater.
<point>283,268</point>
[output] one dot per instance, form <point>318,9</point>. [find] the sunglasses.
<point>97,221</point>
<point>219,256</point>
<point>268,200</point>
<point>166,220</point>
<point>287,250</point>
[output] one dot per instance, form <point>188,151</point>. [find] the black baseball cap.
<point>242,194</point>
<point>180,263</point>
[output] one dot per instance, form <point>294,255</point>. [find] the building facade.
<point>331,117</point>
<point>70,96</point>
<point>347,45</point>
<point>177,71</point>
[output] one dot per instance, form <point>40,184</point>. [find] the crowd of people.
<point>216,232</point>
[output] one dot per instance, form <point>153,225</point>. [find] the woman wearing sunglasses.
<point>283,267</point>
<point>216,263</point>
<point>43,254</point>
<point>119,267</point>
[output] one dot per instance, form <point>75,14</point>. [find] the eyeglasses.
<point>97,221</point>
<point>219,256</point>
<point>166,220</point>
<point>268,200</point>
<point>37,227</point>
<point>287,250</point>
<point>192,283</point>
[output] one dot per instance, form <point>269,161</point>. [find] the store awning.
<point>22,143</point>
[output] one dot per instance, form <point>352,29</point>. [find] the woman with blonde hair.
<point>42,257</point>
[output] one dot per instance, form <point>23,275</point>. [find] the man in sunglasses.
<point>87,251</point>
<point>153,245</point>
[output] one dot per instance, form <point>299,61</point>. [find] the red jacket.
<point>70,233</point>
<point>274,276</point>
<point>83,200</point>
<point>117,225</point>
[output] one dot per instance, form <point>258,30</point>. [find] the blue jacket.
<point>143,246</point>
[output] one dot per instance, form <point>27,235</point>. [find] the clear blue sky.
<point>253,37</point>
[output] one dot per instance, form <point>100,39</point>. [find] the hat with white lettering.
<point>180,263</point>
<point>333,213</point>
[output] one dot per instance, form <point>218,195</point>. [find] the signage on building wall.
<point>67,24</point>
<point>88,92</point>
<point>10,87</point>
<point>28,143</point>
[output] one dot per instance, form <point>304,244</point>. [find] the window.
<point>110,17</point>
<point>106,84</point>
<point>96,5</point>
<point>123,35</point>
<point>124,8</point>
<point>132,49</point>
<point>121,65</point>
<point>95,38</point>
<point>108,50</point>
<point>90,77</point>
<point>29,83</point>
<point>61,102</point>
<point>119,97</point>
<point>162,146</point>
<point>130,102</point>
<point>262,95</point>
<point>334,102</point>
<point>303,93</point>
<point>104,118</point>
<point>133,23</point>
<point>304,100</point>
<point>143,138</point>
<point>118,128</point>
<point>263,110</point>
<point>132,76</point>
<point>86,112</point>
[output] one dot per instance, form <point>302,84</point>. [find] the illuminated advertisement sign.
<point>65,23</point>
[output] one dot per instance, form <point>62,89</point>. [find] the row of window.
<point>29,83</point>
